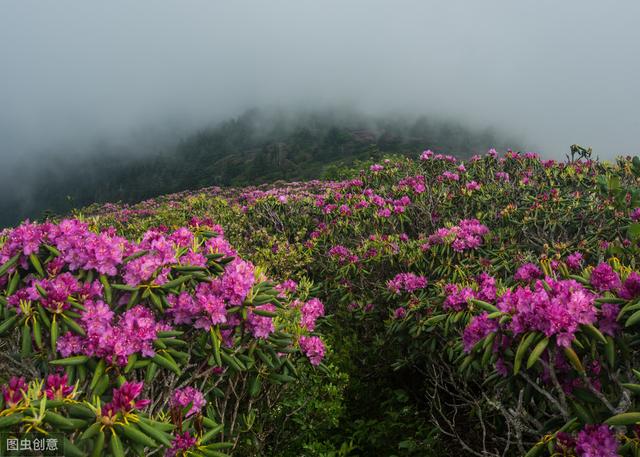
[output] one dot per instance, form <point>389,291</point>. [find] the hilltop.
<point>257,147</point>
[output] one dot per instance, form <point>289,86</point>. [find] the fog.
<point>552,73</point>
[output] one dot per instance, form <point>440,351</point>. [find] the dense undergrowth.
<point>485,307</point>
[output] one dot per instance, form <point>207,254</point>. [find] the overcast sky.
<point>551,72</point>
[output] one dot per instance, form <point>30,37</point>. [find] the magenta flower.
<point>608,321</point>
<point>261,326</point>
<point>399,313</point>
<point>313,348</point>
<point>182,443</point>
<point>407,282</point>
<point>183,397</point>
<point>311,311</point>
<point>597,441</point>
<point>486,287</point>
<point>468,234</point>
<point>603,278</point>
<point>456,298</point>
<point>574,261</point>
<point>631,287</point>
<point>13,391</point>
<point>559,311</point>
<point>478,328</point>
<point>125,397</point>
<point>527,272</point>
<point>472,185</point>
<point>57,387</point>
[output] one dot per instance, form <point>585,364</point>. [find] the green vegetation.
<point>257,147</point>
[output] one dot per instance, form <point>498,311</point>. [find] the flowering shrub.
<point>479,307</point>
<point>562,339</point>
<point>130,347</point>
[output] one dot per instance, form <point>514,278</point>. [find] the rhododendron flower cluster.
<point>596,441</point>
<point>603,278</point>
<point>407,282</point>
<point>631,286</point>
<point>558,311</point>
<point>574,260</point>
<point>125,398</point>
<point>133,332</point>
<point>57,387</point>
<point>480,327</point>
<point>464,236</point>
<point>313,348</point>
<point>181,444</point>
<point>527,272</point>
<point>311,311</point>
<point>188,396</point>
<point>457,297</point>
<point>13,392</point>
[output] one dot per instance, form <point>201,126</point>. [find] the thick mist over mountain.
<point>88,85</point>
<point>257,147</point>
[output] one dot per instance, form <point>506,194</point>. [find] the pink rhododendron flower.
<point>603,278</point>
<point>311,311</point>
<point>57,387</point>
<point>559,311</point>
<point>13,391</point>
<point>189,395</point>
<point>313,348</point>
<point>480,327</point>
<point>407,282</point>
<point>597,441</point>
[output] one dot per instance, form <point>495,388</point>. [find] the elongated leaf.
<point>70,361</point>
<point>633,319</point>
<point>624,419</point>
<point>116,446</point>
<point>8,264</point>
<point>593,331</point>
<point>154,433</point>
<point>132,433</point>
<point>522,349</point>
<point>537,352</point>
<point>574,359</point>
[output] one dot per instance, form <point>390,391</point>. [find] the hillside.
<point>421,306</point>
<point>256,147</point>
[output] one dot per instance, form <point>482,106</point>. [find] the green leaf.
<point>35,261</point>
<point>97,374</point>
<point>573,359</point>
<point>26,346</point>
<point>624,419</point>
<point>8,264</point>
<point>116,446</point>
<point>91,431</point>
<point>98,445</point>
<point>154,433</point>
<point>610,351</point>
<point>10,421</point>
<point>135,435</point>
<point>70,361</point>
<point>633,232</point>
<point>537,352</point>
<point>635,388</point>
<point>522,349</point>
<point>8,324</point>
<point>71,450</point>
<point>593,331</point>
<point>633,319</point>
<point>54,334</point>
<point>166,363</point>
